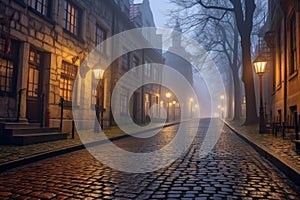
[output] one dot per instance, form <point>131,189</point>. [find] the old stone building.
<point>43,44</point>
<point>282,32</point>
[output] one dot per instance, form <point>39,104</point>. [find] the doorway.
<point>34,86</point>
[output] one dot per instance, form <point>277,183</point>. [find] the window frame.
<point>293,46</point>
<point>68,75</point>
<point>67,24</point>
<point>12,57</point>
<point>99,38</point>
<point>46,6</point>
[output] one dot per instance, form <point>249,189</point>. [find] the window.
<point>124,104</point>
<point>101,35</point>
<point>8,65</point>
<point>41,6</point>
<point>34,73</point>
<point>147,69</point>
<point>68,75</point>
<point>72,18</point>
<point>293,49</point>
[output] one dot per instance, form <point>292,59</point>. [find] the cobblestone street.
<point>233,170</point>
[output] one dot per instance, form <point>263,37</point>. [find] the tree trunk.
<point>251,111</point>
<point>237,96</point>
<point>236,78</point>
<point>230,114</point>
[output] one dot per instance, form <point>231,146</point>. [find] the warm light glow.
<point>196,106</point>
<point>98,73</point>
<point>260,65</point>
<point>219,106</point>
<point>222,96</point>
<point>174,102</point>
<point>168,95</point>
<point>191,100</point>
<point>170,104</point>
<point>161,102</point>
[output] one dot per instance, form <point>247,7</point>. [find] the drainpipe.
<point>285,71</point>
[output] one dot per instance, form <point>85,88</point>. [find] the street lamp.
<point>98,74</point>
<point>168,95</point>
<point>260,68</point>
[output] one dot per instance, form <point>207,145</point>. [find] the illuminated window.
<point>68,75</point>
<point>8,66</point>
<point>101,35</point>
<point>41,6</point>
<point>293,63</point>
<point>72,18</point>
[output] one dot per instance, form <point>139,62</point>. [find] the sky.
<point>160,10</point>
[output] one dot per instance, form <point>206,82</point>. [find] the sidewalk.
<point>15,156</point>
<point>280,152</point>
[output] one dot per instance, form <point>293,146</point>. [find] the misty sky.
<point>160,10</point>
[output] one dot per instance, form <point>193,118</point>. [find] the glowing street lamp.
<point>260,68</point>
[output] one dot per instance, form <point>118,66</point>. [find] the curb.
<point>280,163</point>
<point>41,156</point>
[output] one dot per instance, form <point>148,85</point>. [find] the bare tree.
<point>243,12</point>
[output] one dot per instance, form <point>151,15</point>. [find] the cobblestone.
<point>283,148</point>
<point>233,170</point>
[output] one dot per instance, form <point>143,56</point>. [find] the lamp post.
<point>168,95</point>
<point>174,107</point>
<point>260,68</point>
<point>98,74</point>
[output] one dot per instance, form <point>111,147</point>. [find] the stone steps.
<point>27,139</point>
<point>28,133</point>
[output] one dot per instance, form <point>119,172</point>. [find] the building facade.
<point>43,44</point>
<point>282,36</point>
